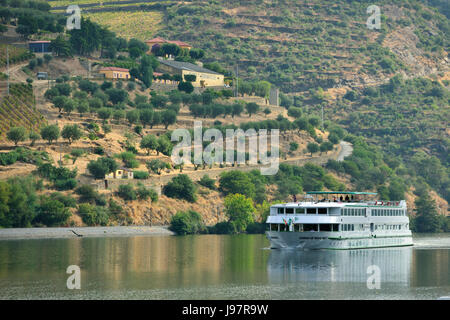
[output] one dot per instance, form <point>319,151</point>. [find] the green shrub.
<point>224,227</point>
<point>189,222</point>
<point>92,215</point>
<point>181,187</point>
<point>67,201</point>
<point>143,193</point>
<point>51,212</point>
<point>207,182</point>
<point>141,175</point>
<point>127,192</point>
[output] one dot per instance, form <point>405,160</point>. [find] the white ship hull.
<point>322,240</point>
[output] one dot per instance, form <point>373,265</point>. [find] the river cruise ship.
<point>339,220</point>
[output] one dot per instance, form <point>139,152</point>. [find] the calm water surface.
<point>218,267</point>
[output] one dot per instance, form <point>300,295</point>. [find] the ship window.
<point>343,212</point>
<point>335,227</point>
<point>310,227</point>
<point>325,227</point>
<point>300,210</point>
<point>322,210</point>
<point>273,227</point>
<point>311,210</point>
<point>296,227</point>
<point>289,210</point>
<point>353,227</point>
<point>280,210</point>
<point>283,227</point>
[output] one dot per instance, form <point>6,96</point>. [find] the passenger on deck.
<point>334,199</point>
<point>341,199</point>
<point>347,199</point>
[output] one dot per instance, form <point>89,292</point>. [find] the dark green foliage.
<point>156,165</point>
<point>24,155</point>
<point>224,227</point>
<point>236,182</point>
<point>87,193</point>
<point>189,222</point>
<point>50,133</point>
<point>186,87</point>
<point>62,178</point>
<point>312,147</point>
<point>427,219</point>
<point>129,159</point>
<point>149,142</point>
<point>18,202</point>
<point>207,182</point>
<point>71,133</point>
<point>256,227</point>
<point>140,175</point>
<point>67,201</point>
<point>51,212</point>
<point>17,134</point>
<point>117,96</point>
<point>181,187</point>
<point>127,192</point>
<point>93,215</point>
<point>251,108</point>
<point>102,167</point>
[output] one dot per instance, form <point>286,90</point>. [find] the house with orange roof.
<point>115,73</point>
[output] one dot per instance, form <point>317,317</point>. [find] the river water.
<point>219,267</point>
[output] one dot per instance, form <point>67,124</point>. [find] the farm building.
<point>204,77</point>
<point>115,73</point>
<point>122,173</point>
<point>161,41</point>
<point>39,46</point>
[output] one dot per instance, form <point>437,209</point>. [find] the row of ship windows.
<point>302,210</point>
<point>326,227</point>
<point>388,212</point>
<point>353,212</point>
<point>344,211</point>
<point>404,226</point>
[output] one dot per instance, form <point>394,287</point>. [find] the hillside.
<point>296,45</point>
<point>384,91</point>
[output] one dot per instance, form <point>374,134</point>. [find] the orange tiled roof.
<point>114,69</point>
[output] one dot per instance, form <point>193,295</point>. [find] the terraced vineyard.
<point>18,109</point>
<point>142,25</point>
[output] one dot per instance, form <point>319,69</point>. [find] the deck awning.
<point>340,192</point>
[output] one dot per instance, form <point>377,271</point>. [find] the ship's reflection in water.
<point>219,267</point>
<point>341,266</point>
